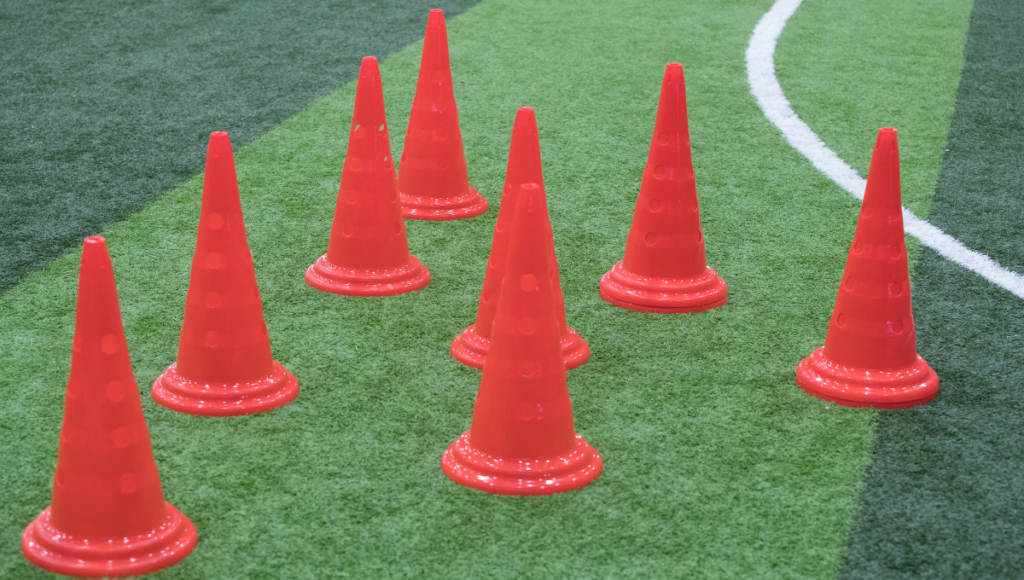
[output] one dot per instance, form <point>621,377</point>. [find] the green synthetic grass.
<point>877,64</point>
<point>107,104</point>
<point>716,464</point>
<point>982,200</point>
<point>942,496</point>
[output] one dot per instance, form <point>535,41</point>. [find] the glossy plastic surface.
<point>368,253</point>
<point>470,348</point>
<point>664,269</point>
<point>870,355</point>
<point>907,386</point>
<point>432,177</point>
<point>522,440</point>
<point>524,166</point>
<point>224,362</point>
<point>108,517</point>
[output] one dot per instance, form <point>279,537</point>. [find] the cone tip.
<point>673,72</point>
<point>93,247</point>
<point>525,114</point>
<point>437,13</point>
<point>524,131</point>
<point>94,253</point>
<point>368,66</point>
<point>219,140</point>
<point>888,137</point>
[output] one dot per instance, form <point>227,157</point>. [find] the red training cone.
<point>108,517</point>
<point>432,178</point>
<point>870,355</point>
<point>224,364</point>
<point>368,254</point>
<point>470,347</point>
<point>665,269</point>
<point>522,440</point>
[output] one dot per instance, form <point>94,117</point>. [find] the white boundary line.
<point>766,89</point>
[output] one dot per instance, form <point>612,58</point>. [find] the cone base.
<point>177,393</point>
<point>909,386</point>
<point>467,205</point>
<point>663,295</point>
<point>55,551</point>
<point>470,467</point>
<point>324,275</point>
<point>470,349</point>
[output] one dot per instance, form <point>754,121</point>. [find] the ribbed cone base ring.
<point>470,349</point>
<point>324,275</point>
<point>626,289</point>
<point>467,205</point>
<point>53,550</point>
<point>180,394</point>
<point>909,386</point>
<point>473,468</point>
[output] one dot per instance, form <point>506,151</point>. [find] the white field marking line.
<point>766,89</point>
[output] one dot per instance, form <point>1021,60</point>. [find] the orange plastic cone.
<point>368,253</point>
<point>108,517</point>
<point>665,269</point>
<point>470,347</point>
<point>432,178</point>
<point>870,355</point>
<point>224,364</point>
<point>523,440</point>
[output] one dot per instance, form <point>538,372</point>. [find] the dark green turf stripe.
<point>942,497</point>
<point>106,104</point>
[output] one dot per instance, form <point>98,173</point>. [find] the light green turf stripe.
<point>716,464</point>
<point>878,64</point>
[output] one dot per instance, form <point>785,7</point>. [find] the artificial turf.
<point>107,104</point>
<point>942,494</point>
<point>878,64</point>
<point>716,465</point>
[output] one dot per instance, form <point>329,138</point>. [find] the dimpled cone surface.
<point>664,269</point>
<point>108,517</point>
<point>368,253</point>
<point>224,362</point>
<point>522,440</point>
<point>870,355</point>
<point>432,177</point>
<point>524,166</point>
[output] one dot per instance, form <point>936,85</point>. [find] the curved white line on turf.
<point>766,89</point>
